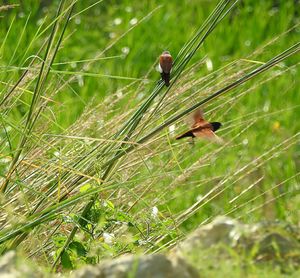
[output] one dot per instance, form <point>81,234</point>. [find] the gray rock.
<point>11,267</point>
<point>262,241</point>
<point>222,230</point>
<point>275,246</point>
<point>154,266</point>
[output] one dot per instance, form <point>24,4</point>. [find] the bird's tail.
<point>166,77</point>
<point>186,134</point>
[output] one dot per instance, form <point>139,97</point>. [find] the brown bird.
<point>201,128</point>
<point>165,66</point>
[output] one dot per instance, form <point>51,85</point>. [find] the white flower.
<point>209,64</point>
<point>199,198</point>
<point>5,160</point>
<point>119,94</point>
<point>171,129</point>
<point>245,141</point>
<point>80,80</point>
<point>140,96</point>
<point>154,212</point>
<point>133,21</point>
<point>117,21</point>
<point>142,242</point>
<point>108,238</point>
<point>100,123</point>
<point>57,154</point>
<point>40,22</point>
<point>125,50</point>
<point>77,20</point>
<point>112,35</point>
<point>266,107</point>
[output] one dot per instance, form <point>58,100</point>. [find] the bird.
<point>202,128</point>
<point>165,66</point>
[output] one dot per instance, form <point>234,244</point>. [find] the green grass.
<point>69,147</point>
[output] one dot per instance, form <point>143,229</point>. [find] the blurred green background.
<point>251,24</point>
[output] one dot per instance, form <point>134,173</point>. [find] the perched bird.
<point>165,65</point>
<point>201,128</point>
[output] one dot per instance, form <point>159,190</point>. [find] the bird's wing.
<point>166,62</point>
<point>196,119</point>
<point>207,133</point>
<point>158,68</point>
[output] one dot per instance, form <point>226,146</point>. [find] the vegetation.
<point>89,163</point>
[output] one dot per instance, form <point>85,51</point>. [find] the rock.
<point>223,230</point>
<point>276,246</point>
<point>12,267</point>
<point>7,260</point>
<point>147,266</point>
<point>262,241</point>
<point>87,272</point>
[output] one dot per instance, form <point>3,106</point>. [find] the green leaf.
<point>110,204</point>
<point>59,240</point>
<point>78,248</point>
<point>85,188</point>
<point>66,261</point>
